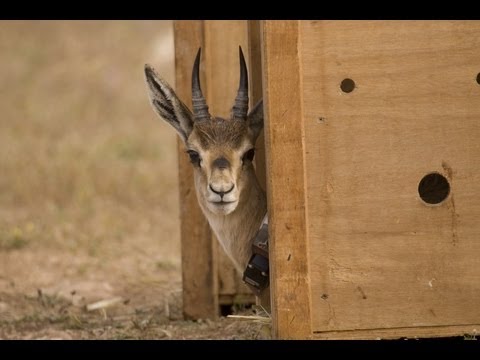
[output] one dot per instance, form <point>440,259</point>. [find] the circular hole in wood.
<point>347,85</point>
<point>478,78</point>
<point>434,188</point>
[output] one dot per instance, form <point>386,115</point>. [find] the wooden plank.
<point>256,94</point>
<point>380,257</point>
<point>222,38</point>
<point>284,137</point>
<point>199,272</point>
<point>469,331</point>
<point>221,63</point>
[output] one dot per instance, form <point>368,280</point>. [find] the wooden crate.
<point>354,251</point>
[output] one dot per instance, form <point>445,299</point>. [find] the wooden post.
<point>290,283</point>
<point>256,93</point>
<point>199,274</point>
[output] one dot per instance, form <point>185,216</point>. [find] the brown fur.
<point>218,131</point>
<point>234,216</point>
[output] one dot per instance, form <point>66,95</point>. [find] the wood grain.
<point>199,269</point>
<point>284,137</point>
<point>256,94</point>
<point>222,65</point>
<point>469,331</point>
<point>380,258</point>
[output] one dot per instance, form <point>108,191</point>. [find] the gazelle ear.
<point>255,119</point>
<point>167,104</point>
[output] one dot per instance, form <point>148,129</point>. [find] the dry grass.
<point>88,184</point>
<point>86,168</point>
<point>82,154</point>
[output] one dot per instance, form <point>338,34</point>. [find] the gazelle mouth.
<point>222,202</point>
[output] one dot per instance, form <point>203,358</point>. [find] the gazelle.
<point>221,152</point>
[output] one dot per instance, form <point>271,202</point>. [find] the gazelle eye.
<point>194,157</point>
<point>248,156</point>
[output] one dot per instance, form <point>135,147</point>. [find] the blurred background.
<point>88,184</point>
<point>89,212</point>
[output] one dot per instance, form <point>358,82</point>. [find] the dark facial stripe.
<point>221,163</point>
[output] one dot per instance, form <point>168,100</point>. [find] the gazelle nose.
<point>221,193</point>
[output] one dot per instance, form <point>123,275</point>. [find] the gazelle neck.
<point>236,230</point>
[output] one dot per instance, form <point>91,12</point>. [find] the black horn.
<point>240,109</point>
<point>200,107</point>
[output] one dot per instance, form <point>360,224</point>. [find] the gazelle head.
<point>221,150</point>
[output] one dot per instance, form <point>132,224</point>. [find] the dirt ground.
<point>88,187</point>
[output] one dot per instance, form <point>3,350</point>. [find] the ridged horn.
<point>200,107</point>
<point>240,109</point>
